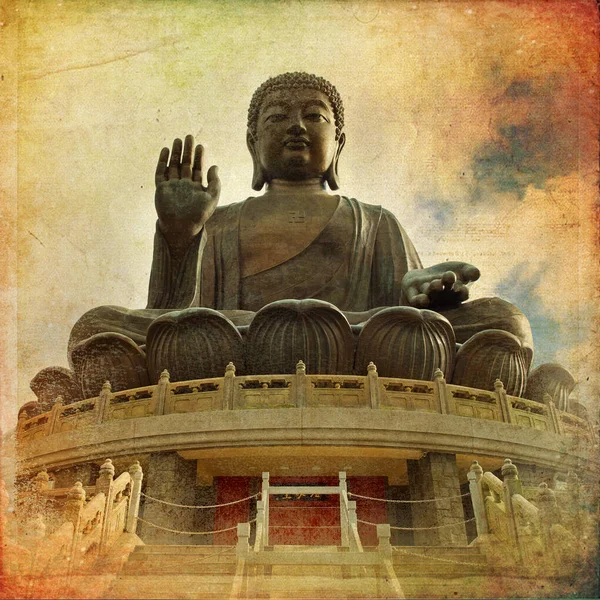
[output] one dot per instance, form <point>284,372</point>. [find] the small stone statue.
<point>328,277</point>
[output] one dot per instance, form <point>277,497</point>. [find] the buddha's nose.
<point>296,128</point>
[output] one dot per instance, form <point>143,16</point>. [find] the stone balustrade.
<point>302,390</point>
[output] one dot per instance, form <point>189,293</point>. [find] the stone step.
<point>316,585</point>
<point>182,586</point>
<point>291,547</point>
<point>176,567</point>
<point>182,549</point>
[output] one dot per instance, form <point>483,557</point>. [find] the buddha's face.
<point>295,137</point>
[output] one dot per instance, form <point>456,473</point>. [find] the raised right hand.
<point>182,203</point>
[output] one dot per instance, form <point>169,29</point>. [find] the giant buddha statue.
<point>297,272</point>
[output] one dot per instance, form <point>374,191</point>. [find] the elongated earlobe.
<point>258,176</point>
<point>331,175</point>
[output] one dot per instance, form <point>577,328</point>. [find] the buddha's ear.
<point>258,176</point>
<point>331,176</point>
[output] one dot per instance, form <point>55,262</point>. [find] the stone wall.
<point>173,479</point>
<point>436,476</point>
<point>399,515</point>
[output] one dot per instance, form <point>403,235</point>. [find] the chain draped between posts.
<point>190,532</point>
<point>200,506</point>
<point>419,528</point>
<point>410,501</point>
<point>436,558</point>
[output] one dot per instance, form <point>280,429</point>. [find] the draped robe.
<point>356,262</point>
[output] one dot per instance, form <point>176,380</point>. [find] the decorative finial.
<point>230,368</point>
<point>42,475</point>
<point>498,385</point>
<point>107,387</point>
<point>135,467</point>
<point>165,377</point>
<point>476,468</point>
<point>509,471</point>
<point>371,367</point>
<point>546,497</point>
<point>300,368</point>
<point>107,469</point>
<point>77,492</point>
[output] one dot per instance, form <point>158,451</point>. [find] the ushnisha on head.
<point>295,123</point>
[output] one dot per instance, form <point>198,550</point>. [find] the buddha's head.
<point>295,123</point>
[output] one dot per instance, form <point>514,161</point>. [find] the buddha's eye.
<point>316,117</point>
<point>275,118</point>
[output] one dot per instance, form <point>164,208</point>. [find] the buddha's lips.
<point>296,143</point>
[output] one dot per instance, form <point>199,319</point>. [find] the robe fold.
<point>356,262</point>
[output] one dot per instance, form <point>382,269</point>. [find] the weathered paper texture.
<point>475,123</point>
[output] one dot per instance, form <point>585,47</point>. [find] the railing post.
<point>242,550</point>
<point>265,499</point>
<point>474,476</point>
<point>505,407</point>
<point>243,534</point>
<point>260,526</point>
<point>439,384</point>
<point>300,384</point>
<point>41,481</point>
<point>373,383</point>
<point>103,401</point>
<point>384,534</point>
<point>104,486</point>
<point>228,386</point>
<point>353,526</point>
<point>510,476</point>
<point>74,505</point>
<point>511,485</point>
<point>21,423</point>
<point>135,470</point>
<point>161,393</point>
<point>54,412</point>
<point>105,478</point>
<point>343,512</point>
<point>546,501</point>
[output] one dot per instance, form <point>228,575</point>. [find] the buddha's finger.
<point>461,291</point>
<point>197,169</point>
<point>424,289</point>
<point>214,183</point>
<point>161,167</point>
<point>175,159</point>
<point>448,279</point>
<point>186,160</point>
<point>420,301</point>
<point>435,287</point>
<point>470,273</point>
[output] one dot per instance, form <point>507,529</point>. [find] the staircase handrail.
<point>90,510</point>
<point>120,483</point>
<point>526,509</point>
<point>492,482</point>
<point>348,509</point>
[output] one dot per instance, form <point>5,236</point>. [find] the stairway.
<point>198,572</point>
<point>297,572</point>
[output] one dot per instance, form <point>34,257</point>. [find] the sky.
<point>475,123</point>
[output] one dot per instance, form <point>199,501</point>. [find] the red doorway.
<point>300,521</point>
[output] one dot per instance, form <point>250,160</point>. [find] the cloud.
<point>534,137</point>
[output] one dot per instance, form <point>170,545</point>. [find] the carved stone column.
<point>436,476</point>
<point>172,479</point>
